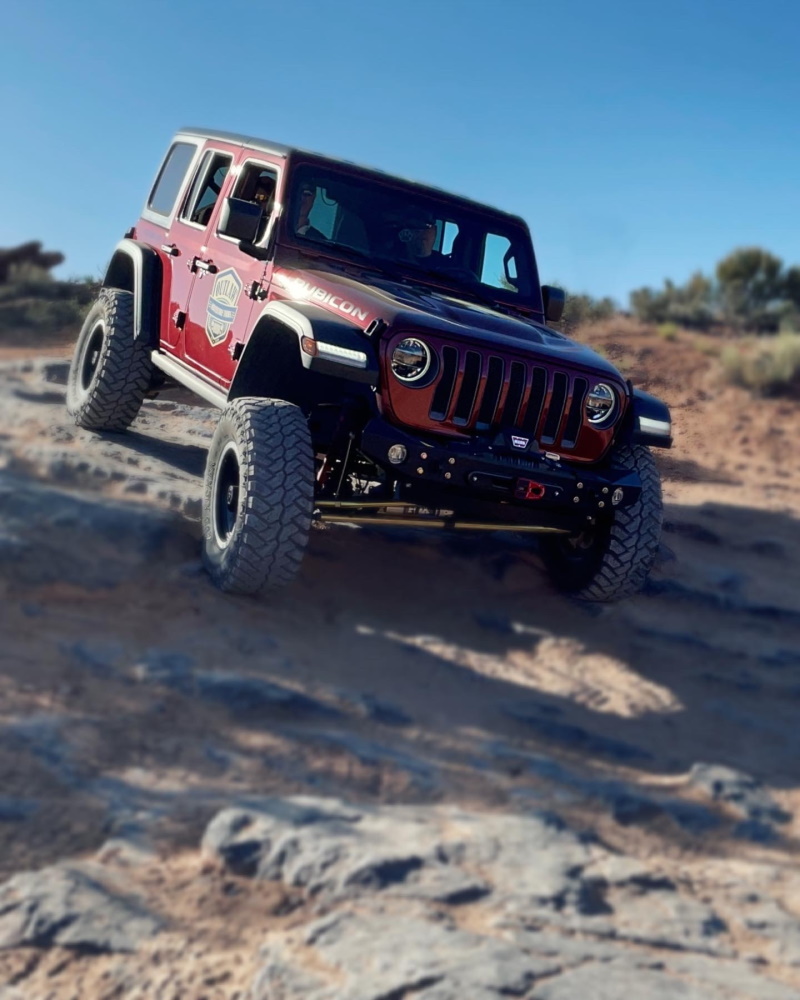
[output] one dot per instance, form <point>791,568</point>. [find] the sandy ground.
<point>446,635</point>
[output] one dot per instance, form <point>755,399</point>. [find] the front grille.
<point>486,392</point>
<point>469,388</point>
<point>555,411</point>
<point>444,390</point>
<point>491,394</point>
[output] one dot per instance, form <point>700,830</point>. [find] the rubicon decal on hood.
<point>299,288</point>
<point>222,305</point>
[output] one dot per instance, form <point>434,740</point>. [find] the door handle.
<point>209,267</point>
<point>170,250</point>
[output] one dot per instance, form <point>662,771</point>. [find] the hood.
<point>367,296</point>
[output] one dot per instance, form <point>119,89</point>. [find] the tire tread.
<point>634,538</point>
<point>124,370</point>
<point>277,466</point>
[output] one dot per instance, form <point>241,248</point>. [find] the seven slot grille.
<point>482,392</point>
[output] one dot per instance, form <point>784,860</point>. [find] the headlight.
<point>411,359</point>
<point>600,404</point>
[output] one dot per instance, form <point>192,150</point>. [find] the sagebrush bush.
<point>766,366</point>
<point>35,306</point>
<point>667,331</point>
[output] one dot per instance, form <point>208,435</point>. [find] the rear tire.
<point>612,559</point>
<point>258,497</point>
<point>111,370</point>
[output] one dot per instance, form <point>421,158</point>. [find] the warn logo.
<point>222,305</point>
<point>520,442</point>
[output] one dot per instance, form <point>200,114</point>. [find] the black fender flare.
<point>136,267</point>
<point>322,343</point>
<point>648,421</point>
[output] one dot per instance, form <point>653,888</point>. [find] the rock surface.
<point>65,906</point>
<point>550,816</point>
<point>551,904</point>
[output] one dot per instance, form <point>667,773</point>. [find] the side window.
<point>206,188</point>
<point>446,237</point>
<point>168,184</point>
<point>258,184</point>
<point>499,266</point>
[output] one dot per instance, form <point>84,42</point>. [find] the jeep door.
<point>229,282</point>
<point>161,227</point>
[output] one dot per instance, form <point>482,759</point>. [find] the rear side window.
<point>167,187</point>
<point>499,267</point>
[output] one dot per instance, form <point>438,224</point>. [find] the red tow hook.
<point>528,489</point>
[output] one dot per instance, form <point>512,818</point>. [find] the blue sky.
<point>640,140</point>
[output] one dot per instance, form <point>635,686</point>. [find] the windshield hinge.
<point>376,328</point>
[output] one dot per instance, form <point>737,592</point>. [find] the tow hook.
<point>528,489</point>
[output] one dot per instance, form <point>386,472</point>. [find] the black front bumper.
<point>514,483</point>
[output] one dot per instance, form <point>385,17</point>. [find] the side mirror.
<point>553,299</point>
<point>240,219</point>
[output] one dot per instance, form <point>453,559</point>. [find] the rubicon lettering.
<point>222,305</point>
<point>301,289</point>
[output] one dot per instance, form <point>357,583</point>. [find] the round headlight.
<point>411,359</point>
<point>600,404</point>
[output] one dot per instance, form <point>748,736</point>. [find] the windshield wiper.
<point>391,268</point>
<point>380,265</point>
<point>452,278</point>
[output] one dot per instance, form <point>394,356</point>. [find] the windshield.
<point>410,231</point>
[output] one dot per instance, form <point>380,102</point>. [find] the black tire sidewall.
<point>215,556</point>
<point>79,395</point>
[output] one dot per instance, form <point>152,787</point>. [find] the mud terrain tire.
<point>612,560</point>
<point>110,370</point>
<point>258,496</point>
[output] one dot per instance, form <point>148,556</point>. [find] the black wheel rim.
<point>576,558</point>
<point>91,356</point>
<point>226,496</point>
<point>580,548</point>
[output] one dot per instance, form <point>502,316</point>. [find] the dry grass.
<point>766,366</point>
<point>668,331</point>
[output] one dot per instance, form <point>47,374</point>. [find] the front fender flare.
<point>321,344</point>
<point>328,344</point>
<point>648,421</point>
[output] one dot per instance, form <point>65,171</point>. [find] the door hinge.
<point>179,319</point>
<point>236,350</point>
<point>257,292</point>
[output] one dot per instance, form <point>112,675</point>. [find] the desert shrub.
<point>768,367</point>
<point>82,292</point>
<point>668,331</point>
<point>37,307</point>
<point>752,286</point>
<point>581,309</point>
<point>751,291</point>
<point>690,305</point>
<point>33,304</point>
<point>790,320</point>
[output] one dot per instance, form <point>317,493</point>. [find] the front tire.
<point>612,560</point>
<point>111,370</point>
<point>258,497</point>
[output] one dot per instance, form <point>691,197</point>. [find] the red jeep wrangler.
<point>379,352</point>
